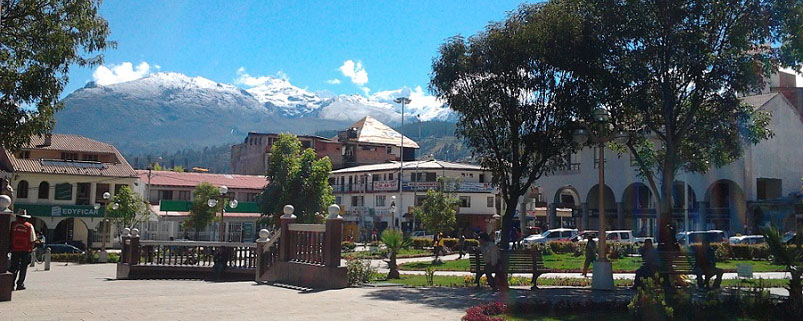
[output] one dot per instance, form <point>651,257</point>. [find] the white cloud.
<point>355,72</point>
<point>123,72</point>
<point>243,78</point>
<point>333,81</point>
<point>365,90</point>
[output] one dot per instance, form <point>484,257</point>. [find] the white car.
<point>421,234</point>
<point>558,234</point>
<point>747,239</point>
<point>622,236</point>
<point>713,236</point>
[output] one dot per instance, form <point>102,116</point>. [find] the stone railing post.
<point>134,250</point>
<point>262,241</point>
<point>6,278</point>
<point>287,244</point>
<point>125,244</point>
<point>333,237</point>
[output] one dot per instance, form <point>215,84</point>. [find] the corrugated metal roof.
<point>420,165</point>
<point>71,143</point>
<point>190,179</point>
<point>370,130</point>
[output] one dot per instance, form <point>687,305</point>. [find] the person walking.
<point>591,254</point>
<point>650,263</point>
<point>23,237</point>
<point>461,245</point>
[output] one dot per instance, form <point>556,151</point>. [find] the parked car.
<point>423,234</point>
<point>558,234</point>
<point>747,239</point>
<point>789,238</point>
<point>533,230</point>
<point>581,237</point>
<point>622,236</point>
<point>691,237</point>
<point>63,248</point>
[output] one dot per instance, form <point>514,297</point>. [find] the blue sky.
<point>310,42</point>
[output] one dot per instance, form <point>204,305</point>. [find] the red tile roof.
<point>71,143</point>
<point>155,209</point>
<point>189,179</point>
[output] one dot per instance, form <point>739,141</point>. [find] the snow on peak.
<point>289,100</point>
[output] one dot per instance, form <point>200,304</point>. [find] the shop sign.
<point>61,210</point>
<point>419,186</point>
<point>386,186</point>
<point>475,187</point>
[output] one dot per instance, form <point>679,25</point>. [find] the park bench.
<point>519,261</point>
<point>679,263</point>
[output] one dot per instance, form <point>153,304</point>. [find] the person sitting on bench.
<point>490,256</point>
<point>649,265</point>
<point>705,268</point>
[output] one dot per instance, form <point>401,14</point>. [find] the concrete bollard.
<point>47,259</point>
<point>33,259</point>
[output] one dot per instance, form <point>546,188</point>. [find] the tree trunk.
<point>507,226</point>
<point>665,236</point>
<point>394,269</point>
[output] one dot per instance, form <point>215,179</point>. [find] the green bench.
<point>519,261</point>
<point>680,263</point>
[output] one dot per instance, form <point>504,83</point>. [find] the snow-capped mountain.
<point>171,111</point>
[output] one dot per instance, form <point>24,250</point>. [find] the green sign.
<point>60,210</point>
<point>185,206</point>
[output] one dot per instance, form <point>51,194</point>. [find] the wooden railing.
<point>201,254</point>
<point>309,243</point>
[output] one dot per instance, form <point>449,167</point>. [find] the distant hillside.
<point>217,159</point>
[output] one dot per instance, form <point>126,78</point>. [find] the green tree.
<point>41,40</point>
<point>297,178</point>
<point>672,72</point>
<point>438,211</point>
<point>126,209</point>
<point>515,111</point>
<point>201,215</point>
<point>791,257</point>
<point>395,241</point>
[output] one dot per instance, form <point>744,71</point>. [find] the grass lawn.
<point>467,281</point>
<point>571,263</point>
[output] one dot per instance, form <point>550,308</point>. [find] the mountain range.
<point>167,111</point>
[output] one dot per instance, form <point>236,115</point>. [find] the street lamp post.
<point>103,255</point>
<point>221,198</point>
<point>403,101</point>
<point>393,212</point>
<point>599,133</point>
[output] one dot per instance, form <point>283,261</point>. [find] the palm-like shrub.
<point>394,241</point>
<point>789,256</point>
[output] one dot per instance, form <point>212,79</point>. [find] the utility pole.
<point>402,101</point>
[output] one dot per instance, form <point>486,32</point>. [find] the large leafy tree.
<point>39,41</point>
<point>672,72</point>
<point>126,209</point>
<point>201,215</point>
<point>515,110</point>
<point>297,178</point>
<point>438,211</point>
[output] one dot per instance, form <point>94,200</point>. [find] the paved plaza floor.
<point>90,292</point>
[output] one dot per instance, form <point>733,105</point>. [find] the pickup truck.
<point>622,236</point>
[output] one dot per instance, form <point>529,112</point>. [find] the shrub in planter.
<point>66,257</point>
<point>562,247</point>
<point>544,249</point>
<point>485,312</point>
<point>649,303</point>
<point>421,242</point>
<point>348,246</point>
<point>450,243</point>
<point>359,271</point>
<point>723,252</point>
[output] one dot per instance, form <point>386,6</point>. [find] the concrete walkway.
<point>90,292</point>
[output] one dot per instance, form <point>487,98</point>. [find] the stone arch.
<point>40,225</point>
<point>567,208</point>
<point>726,206</point>
<point>592,201</point>
<point>72,230</point>
<point>639,209</point>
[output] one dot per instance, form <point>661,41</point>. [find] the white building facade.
<point>763,187</point>
<point>366,194</point>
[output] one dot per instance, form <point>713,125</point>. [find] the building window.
<point>482,178</point>
<point>25,154</point>
<point>69,156</point>
<point>380,200</point>
<point>338,200</point>
<point>63,192</point>
<point>419,200</point>
<point>489,201</point>
<point>166,195</point>
<point>390,176</point>
<point>22,189</point>
<point>357,201</point>
<point>768,188</point>
<point>185,195</point>
<point>465,201</point>
<point>431,177</point>
<point>90,157</point>
<point>83,193</point>
<point>99,190</point>
<point>44,190</point>
<point>389,150</point>
<point>251,197</point>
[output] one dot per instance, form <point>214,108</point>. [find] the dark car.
<point>63,248</point>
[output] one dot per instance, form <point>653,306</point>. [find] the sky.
<point>344,47</point>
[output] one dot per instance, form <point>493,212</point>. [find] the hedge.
<point>451,243</point>
<point>348,246</point>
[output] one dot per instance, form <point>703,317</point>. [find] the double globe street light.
<point>221,198</point>
<point>103,255</point>
<point>599,132</point>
